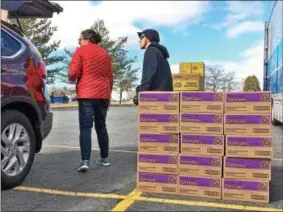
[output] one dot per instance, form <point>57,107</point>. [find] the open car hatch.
<point>30,8</point>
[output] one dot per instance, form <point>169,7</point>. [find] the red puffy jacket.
<point>92,68</point>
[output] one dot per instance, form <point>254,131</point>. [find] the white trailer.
<point>273,56</point>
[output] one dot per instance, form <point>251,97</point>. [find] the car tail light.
<point>43,72</point>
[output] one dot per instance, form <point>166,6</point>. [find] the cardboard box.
<point>198,68</point>
<point>158,123</point>
<point>191,123</point>
<point>159,102</point>
<point>157,163</point>
<point>185,68</point>
<point>247,169</point>
<point>206,145</point>
<point>188,82</point>
<point>249,147</point>
<point>159,143</point>
<point>201,102</point>
<point>200,187</point>
<point>248,103</point>
<point>157,183</point>
<point>250,125</point>
<point>200,166</point>
<point>244,190</point>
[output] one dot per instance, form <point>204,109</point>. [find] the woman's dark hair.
<point>92,36</point>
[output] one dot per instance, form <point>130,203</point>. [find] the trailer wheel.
<point>274,121</point>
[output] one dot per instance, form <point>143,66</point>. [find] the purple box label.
<point>159,97</point>
<point>203,139</point>
<point>249,141</point>
<point>248,119</point>
<point>157,178</point>
<point>174,118</point>
<point>248,97</point>
<point>243,163</point>
<point>159,138</point>
<point>202,118</point>
<point>202,96</point>
<point>201,182</point>
<point>245,185</point>
<point>150,158</point>
<point>200,161</point>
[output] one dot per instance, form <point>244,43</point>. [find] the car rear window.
<point>9,46</point>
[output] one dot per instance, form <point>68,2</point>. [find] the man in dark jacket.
<point>156,73</point>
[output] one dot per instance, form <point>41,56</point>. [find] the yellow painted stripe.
<point>135,196</point>
<point>70,193</point>
<point>207,204</point>
<point>128,201</point>
<point>277,159</point>
<point>94,149</point>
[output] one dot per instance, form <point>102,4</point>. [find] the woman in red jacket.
<point>91,68</point>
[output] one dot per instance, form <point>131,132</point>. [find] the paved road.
<point>53,183</point>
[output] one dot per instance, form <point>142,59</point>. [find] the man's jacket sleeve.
<point>75,66</point>
<point>150,66</point>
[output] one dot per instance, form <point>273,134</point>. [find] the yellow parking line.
<point>135,196</point>
<point>207,204</point>
<point>128,201</point>
<point>114,150</point>
<point>76,147</point>
<point>70,193</point>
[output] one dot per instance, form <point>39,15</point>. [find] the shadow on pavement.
<point>59,171</point>
<point>276,185</point>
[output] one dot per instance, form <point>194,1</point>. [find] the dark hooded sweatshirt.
<point>156,73</point>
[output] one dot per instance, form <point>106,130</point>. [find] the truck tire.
<point>274,121</point>
<point>18,146</point>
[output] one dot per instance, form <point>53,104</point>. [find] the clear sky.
<point>217,32</point>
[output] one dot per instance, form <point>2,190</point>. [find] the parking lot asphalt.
<point>54,184</point>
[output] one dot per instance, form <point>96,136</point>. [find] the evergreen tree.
<point>127,75</point>
<point>251,84</point>
<point>40,32</point>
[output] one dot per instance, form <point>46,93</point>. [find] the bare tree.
<point>229,82</point>
<point>217,79</point>
<point>214,78</point>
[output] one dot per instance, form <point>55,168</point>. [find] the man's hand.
<point>136,100</point>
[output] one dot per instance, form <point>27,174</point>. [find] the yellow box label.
<point>186,85</point>
<point>198,68</point>
<point>185,68</point>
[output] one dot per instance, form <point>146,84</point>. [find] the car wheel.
<point>17,148</point>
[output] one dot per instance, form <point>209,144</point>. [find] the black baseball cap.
<point>151,34</point>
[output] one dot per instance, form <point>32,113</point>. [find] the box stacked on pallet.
<point>202,144</point>
<point>191,77</point>
<point>249,146</point>
<point>158,142</point>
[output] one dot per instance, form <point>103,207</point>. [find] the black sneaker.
<point>84,166</point>
<point>104,162</point>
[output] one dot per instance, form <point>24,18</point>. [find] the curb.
<point>76,106</point>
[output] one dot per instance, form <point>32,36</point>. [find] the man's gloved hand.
<point>136,100</point>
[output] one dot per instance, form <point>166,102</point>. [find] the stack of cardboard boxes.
<point>158,142</point>
<point>202,144</point>
<point>191,77</point>
<point>206,144</point>
<point>249,147</point>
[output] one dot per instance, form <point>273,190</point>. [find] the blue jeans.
<point>93,111</point>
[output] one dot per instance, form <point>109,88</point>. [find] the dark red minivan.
<point>26,117</point>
